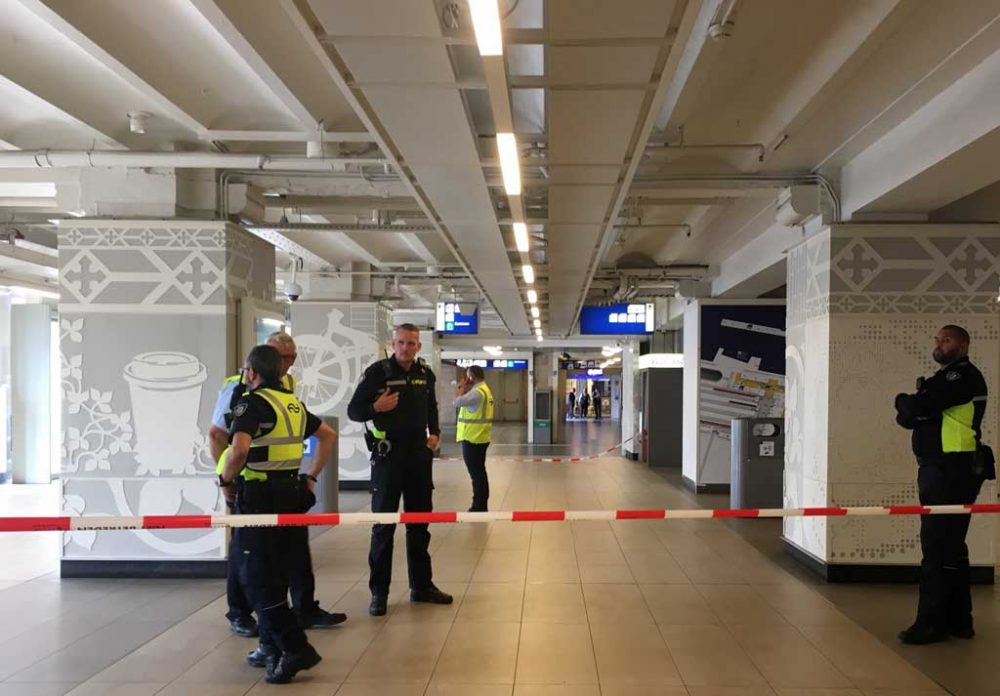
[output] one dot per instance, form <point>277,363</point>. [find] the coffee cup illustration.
<point>165,389</point>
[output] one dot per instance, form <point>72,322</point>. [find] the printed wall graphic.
<point>864,304</point>
<point>742,376</point>
<point>336,342</point>
<point>143,329</point>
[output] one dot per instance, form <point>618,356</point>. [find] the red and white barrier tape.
<point>66,524</point>
<point>545,460</point>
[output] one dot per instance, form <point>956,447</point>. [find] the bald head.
<point>286,347</point>
<point>950,344</point>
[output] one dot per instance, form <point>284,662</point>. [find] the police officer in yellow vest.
<point>475,431</point>
<point>945,415</point>
<point>302,582</point>
<point>260,475</point>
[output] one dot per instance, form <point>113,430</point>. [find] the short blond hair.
<point>280,338</point>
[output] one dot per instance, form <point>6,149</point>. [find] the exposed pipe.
<point>665,149</point>
<point>331,227</point>
<point>52,159</point>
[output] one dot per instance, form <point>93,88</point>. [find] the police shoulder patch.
<point>951,375</point>
<point>240,409</point>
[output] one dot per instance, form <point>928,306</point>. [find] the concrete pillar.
<point>864,303</point>
<point>30,371</point>
<point>336,341</point>
<point>147,334</point>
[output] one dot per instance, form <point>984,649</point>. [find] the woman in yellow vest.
<point>475,429</point>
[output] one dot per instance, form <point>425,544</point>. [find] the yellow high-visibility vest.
<point>283,447</point>
<point>477,426</point>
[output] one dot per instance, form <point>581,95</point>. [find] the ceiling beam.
<point>234,38</point>
<point>25,93</point>
<point>510,37</point>
<point>251,136</point>
<point>305,22</point>
<point>418,247</point>
<point>117,68</point>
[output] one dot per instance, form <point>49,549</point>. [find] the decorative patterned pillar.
<point>336,341</point>
<point>147,331</point>
<point>864,303</point>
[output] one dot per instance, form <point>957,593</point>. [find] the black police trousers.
<point>265,555</point>
<point>405,472</point>
<point>945,595</point>
<point>474,455</point>
<point>301,580</point>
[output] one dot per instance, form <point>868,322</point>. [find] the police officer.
<point>261,475</point>
<point>397,394</point>
<point>945,415</point>
<point>475,431</point>
<point>301,579</point>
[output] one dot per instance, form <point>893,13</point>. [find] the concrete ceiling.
<point>629,118</point>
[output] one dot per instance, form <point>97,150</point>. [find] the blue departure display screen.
<point>493,364</point>
<point>617,319</point>
<point>457,318</point>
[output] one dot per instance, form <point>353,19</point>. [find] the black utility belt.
<point>950,459</point>
<point>273,474</point>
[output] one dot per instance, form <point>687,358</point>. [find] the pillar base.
<point>191,570</point>
<point>355,485</point>
<point>704,487</point>
<point>868,573</point>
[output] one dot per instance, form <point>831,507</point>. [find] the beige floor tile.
<point>404,652</point>
<point>508,565</point>
<point>178,688</point>
<point>435,613</point>
<point>787,659</point>
<point>864,660</point>
<point>554,603</point>
<point>800,605</point>
<point>910,692</point>
<point>606,573</point>
<point>479,654</point>
<point>35,688</point>
<point>654,565</point>
<point>632,653</point>
<point>341,649</point>
<point>509,536</point>
<point>552,566</point>
<point>491,602</point>
<point>740,605</point>
<point>436,688</point>
<point>92,688</point>
<point>555,654</point>
<point>629,689</point>
<point>730,691</point>
<point>710,656</point>
<point>383,688</point>
<point>616,604</point>
<point>819,692</point>
<point>301,686</point>
<point>557,690</point>
<point>678,605</point>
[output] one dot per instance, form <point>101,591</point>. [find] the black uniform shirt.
<point>254,416</point>
<point>415,415</point>
<point>959,383</point>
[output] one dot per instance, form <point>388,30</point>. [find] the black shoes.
<point>965,632</point>
<point>244,626</point>
<point>290,664</point>
<point>379,605</point>
<point>261,655</point>
<point>922,634</point>
<point>431,595</point>
<point>320,618</point>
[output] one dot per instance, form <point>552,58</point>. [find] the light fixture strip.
<point>510,165</point>
<point>521,237</point>
<point>529,273</point>
<point>486,24</point>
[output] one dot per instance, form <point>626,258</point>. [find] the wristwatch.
<point>310,477</point>
<point>223,483</point>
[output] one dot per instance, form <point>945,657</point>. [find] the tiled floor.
<point>543,609</point>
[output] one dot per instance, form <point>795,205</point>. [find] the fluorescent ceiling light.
<point>510,167</point>
<point>521,236</point>
<point>539,338</point>
<point>538,332</point>
<point>27,189</point>
<point>493,350</point>
<point>528,272</point>
<point>532,297</point>
<point>537,323</point>
<point>486,23</point>
<point>534,312</point>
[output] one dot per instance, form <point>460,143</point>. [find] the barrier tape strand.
<point>95,523</point>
